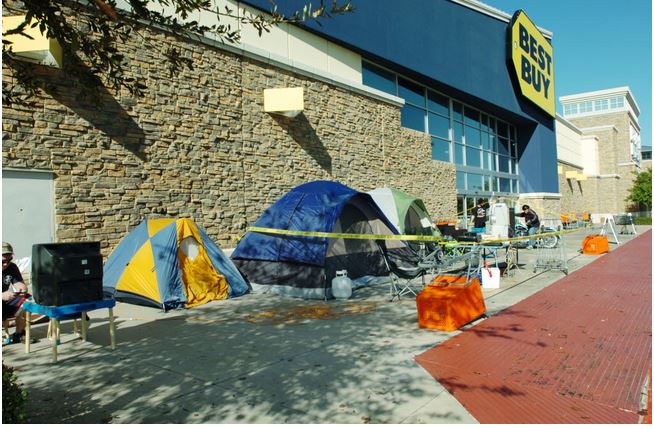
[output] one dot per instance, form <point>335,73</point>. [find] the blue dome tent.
<point>305,266</point>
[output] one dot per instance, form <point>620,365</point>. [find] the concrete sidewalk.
<point>259,359</point>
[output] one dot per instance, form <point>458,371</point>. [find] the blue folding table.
<point>64,312</point>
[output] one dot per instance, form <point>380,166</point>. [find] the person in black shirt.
<point>479,217</point>
<point>14,292</point>
<point>532,222</point>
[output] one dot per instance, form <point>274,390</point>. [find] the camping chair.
<point>586,218</point>
<point>401,275</point>
<point>565,220</point>
<point>402,279</point>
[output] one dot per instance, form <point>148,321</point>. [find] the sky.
<point>598,44</point>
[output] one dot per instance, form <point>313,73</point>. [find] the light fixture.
<point>288,102</point>
<point>570,174</point>
<point>37,49</point>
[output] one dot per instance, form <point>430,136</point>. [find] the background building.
<point>428,105</point>
<point>599,149</point>
<point>646,157</point>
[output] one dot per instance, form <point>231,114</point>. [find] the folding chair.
<point>402,276</point>
<point>402,279</point>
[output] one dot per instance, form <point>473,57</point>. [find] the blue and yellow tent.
<point>170,263</point>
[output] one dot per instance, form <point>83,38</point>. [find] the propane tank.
<point>342,285</point>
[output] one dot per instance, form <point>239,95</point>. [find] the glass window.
<point>457,129</point>
<point>586,106</point>
<point>460,181</point>
<point>503,164</point>
<point>503,146</point>
<point>473,157</point>
<point>502,129</point>
<point>458,154</point>
<point>487,183</point>
<point>601,104</point>
<point>486,141</point>
<point>492,125</point>
<point>473,136</point>
<point>475,182</point>
<point>440,149</point>
<point>459,203</point>
<point>438,103</point>
<point>458,111</point>
<point>489,161</point>
<point>484,122</point>
<point>505,185</point>
<point>378,78</point>
<point>471,117</point>
<point>490,144</point>
<point>413,118</point>
<point>617,102</point>
<point>439,126</point>
<point>470,203</point>
<point>411,92</point>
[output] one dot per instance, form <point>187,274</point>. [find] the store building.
<point>599,151</point>
<point>452,102</point>
<point>448,61</point>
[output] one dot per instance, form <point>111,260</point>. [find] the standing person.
<point>479,217</point>
<point>532,222</point>
<point>14,291</point>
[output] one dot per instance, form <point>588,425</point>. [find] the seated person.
<point>14,292</point>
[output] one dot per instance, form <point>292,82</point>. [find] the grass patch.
<point>643,221</point>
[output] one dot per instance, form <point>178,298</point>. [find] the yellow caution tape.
<point>346,235</point>
<point>401,237</point>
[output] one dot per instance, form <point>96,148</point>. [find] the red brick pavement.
<point>578,351</point>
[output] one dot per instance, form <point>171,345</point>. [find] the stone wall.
<point>610,192</point>
<point>574,194</point>
<point>199,145</point>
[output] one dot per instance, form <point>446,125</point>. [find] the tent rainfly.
<point>170,263</point>
<point>407,213</point>
<point>304,266</point>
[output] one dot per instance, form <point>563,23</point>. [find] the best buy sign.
<point>533,61</point>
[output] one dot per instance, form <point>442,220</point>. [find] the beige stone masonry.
<point>199,145</point>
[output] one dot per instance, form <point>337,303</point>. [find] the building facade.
<point>646,157</point>
<point>430,107</point>
<point>599,151</point>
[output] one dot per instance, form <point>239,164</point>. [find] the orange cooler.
<point>446,305</point>
<point>595,244</point>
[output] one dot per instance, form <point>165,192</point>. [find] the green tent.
<point>407,213</point>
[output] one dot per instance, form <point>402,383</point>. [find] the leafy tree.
<point>92,32</point>
<point>641,191</point>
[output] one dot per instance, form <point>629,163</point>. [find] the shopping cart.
<point>552,258</point>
